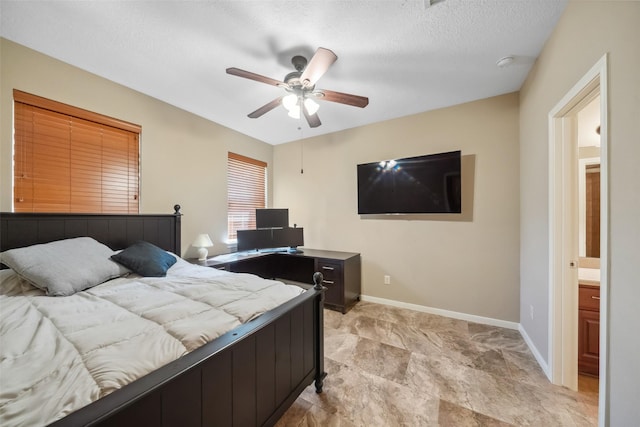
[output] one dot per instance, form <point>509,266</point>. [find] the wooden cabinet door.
<point>588,341</point>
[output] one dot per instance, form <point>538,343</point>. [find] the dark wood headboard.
<point>117,231</point>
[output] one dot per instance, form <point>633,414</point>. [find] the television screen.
<point>272,218</point>
<point>414,185</point>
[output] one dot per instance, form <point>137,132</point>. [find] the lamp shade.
<point>202,241</point>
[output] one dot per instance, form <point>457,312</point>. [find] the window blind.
<point>246,182</point>
<point>65,163</point>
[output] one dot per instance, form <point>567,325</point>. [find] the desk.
<point>341,270</point>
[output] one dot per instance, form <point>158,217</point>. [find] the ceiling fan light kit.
<point>294,113</point>
<point>311,106</point>
<point>300,85</point>
<point>290,101</point>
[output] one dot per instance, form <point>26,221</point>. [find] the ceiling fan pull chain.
<point>301,150</point>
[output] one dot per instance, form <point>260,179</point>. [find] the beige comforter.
<point>58,354</point>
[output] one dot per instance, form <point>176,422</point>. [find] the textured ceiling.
<point>406,56</point>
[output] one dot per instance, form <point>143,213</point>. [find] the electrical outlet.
<point>387,279</point>
<point>531,311</point>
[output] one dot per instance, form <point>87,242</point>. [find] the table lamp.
<point>202,242</point>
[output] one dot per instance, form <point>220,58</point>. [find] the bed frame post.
<point>178,227</point>
<point>319,332</point>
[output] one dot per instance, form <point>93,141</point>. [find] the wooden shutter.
<point>66,163</point>
<point>119,171</point>
<point>42,160</point>
<point>246,192</point>
<point>86,169</point>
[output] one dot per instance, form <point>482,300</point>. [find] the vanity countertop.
<point>589,276</point>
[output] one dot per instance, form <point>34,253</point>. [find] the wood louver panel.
<point>23,159</point>
<point>246,182</point>
<point>51,162</point>
<point>119,154</point>
<point>67,164</point>
<point>86,169</point>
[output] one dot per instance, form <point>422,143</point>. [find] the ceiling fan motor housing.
<point>299,62</point>
<point>293,79</point>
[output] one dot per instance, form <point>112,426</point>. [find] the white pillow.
<point>64,267</point>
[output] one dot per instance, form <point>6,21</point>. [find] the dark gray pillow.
<point>64,267</point>
<point>145,259</point>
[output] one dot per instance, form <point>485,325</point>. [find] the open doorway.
<point>566,237</point>
<point>588,140</point>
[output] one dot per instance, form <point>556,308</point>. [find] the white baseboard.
<point>445,313</point>
<point>543,364</point>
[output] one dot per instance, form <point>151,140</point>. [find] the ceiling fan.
<point>300,86</point>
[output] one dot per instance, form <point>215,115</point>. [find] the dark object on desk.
<point>291,237</point>
<point>272,218</point>
<point>235,379</point>
<point>249,240</point>
<point>269,238</point>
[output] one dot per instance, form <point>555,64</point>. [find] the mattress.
<point>58,354</point>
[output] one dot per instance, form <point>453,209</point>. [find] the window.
<point>71,160</point>
<point>247,183</point>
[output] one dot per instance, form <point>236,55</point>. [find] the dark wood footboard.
<point>247,377</point>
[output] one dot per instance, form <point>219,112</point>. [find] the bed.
<point>248,375</point>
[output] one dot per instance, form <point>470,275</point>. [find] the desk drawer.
<point>332,280</point>
<point>331,272</point>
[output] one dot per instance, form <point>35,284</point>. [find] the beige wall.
<point>587,31</point>
<point>183,156</point>
<point>463,263</point>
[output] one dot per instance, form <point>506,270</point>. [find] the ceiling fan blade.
<point>312,119</point>
<point>344,98</point>
<point>253,76</point>
<point>319,64</point>
<point>266,108</point>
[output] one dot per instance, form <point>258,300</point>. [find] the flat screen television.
<point>414,185</point>
<point>272,218</point>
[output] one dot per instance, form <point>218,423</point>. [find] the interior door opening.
<point>565,239</point>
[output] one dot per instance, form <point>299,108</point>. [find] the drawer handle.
<point>328,282</point>
<point>594,297</point>
<point>324,267</point>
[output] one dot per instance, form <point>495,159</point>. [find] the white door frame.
<point>563,289</point>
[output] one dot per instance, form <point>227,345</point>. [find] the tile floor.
<point>395,367</point>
